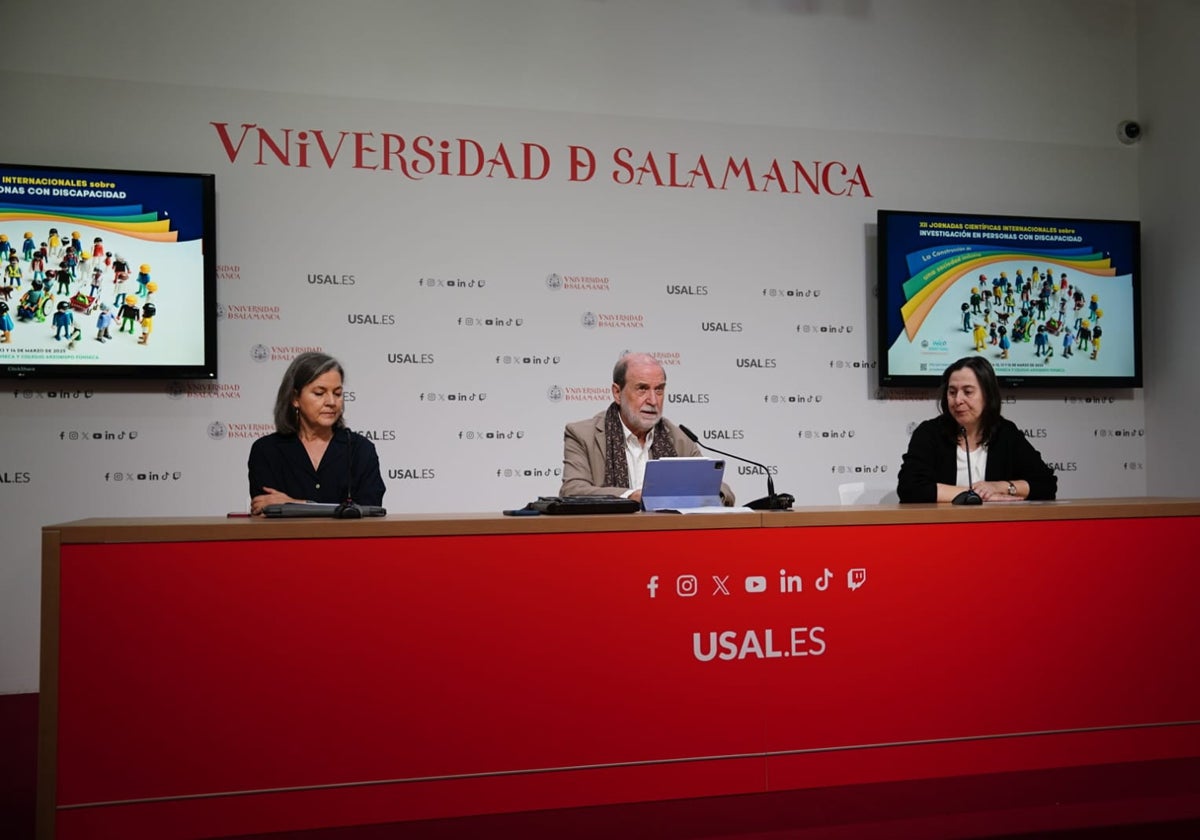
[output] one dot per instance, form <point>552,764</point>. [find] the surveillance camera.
<point>1129,131</point>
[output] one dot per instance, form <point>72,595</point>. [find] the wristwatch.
<point>1012,489</point>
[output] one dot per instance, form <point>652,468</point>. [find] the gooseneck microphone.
<point>771,501</point>
<point>348,509</point>
<point>968,496</point>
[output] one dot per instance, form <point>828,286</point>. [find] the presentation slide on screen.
<point>1037,297</point>
<point>101,268</point>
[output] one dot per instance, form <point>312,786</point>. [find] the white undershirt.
<point>978,465</point>
<point>636,456</point>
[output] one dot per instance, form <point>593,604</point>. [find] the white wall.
<point>1167,67</point>
<point>992,107</point>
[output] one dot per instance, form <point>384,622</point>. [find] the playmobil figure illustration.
<point>97,273</point>
<point>63,321</point>
<point>980,335</point>
<point>1021,326</point>
<point>143,279</point>
<point>1004,343</point>
<point>6,324</point>
<point>966,317</point>
<point>76,242</point>
<point>1041,342</point>
<point>1096,332</point>
<point>1043,303</point>
<point>27,246</point>
<point>32,303</point>
<point>12,271</point>
<point>104,322</point>
<point>70,262</point>
<point>97,248</point>
<point>149,310</point>
<point>1068,342</point>
<point>129,314</point>
<point>38,264</point>
<point>54,245</point>
<point>6,248</point>
<point>1085,336</point>
<point>120,278</point>
<point>63,276</point>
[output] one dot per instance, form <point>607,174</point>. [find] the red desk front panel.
<point>234,687</point>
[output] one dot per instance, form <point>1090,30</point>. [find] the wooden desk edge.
<point>199,529</point>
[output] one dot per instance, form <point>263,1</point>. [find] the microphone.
<point>968,496</point>
<point>348,509</point>
<point>771,501</point>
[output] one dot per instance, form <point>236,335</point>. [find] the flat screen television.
<point>81,246</point>
<point>1049,302</point>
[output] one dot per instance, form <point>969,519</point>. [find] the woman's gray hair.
<point>304,369</point>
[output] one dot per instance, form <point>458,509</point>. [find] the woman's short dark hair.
<point>989,418</point>
<point>304,369</point>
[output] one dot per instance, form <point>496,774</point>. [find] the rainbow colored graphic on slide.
<point>933,271</point>
<point>131,220</point>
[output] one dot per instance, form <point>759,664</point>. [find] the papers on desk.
<point>704,509</point>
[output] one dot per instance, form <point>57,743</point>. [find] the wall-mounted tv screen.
<point>1049,302</point>
<point>107,273</point>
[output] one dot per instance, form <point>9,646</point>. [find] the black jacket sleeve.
<point>368,482</point>
<point>926,463</point>
<point>264,464</point>
<point>1011,457</point>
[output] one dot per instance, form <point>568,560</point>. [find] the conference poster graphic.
<point>102,268</point>
<point>1036,297</point>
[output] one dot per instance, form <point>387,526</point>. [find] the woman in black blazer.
<point>1004,466</point>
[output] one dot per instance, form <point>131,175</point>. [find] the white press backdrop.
<point>476,314</point>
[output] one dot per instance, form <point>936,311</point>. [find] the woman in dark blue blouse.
<point>312,455</point>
